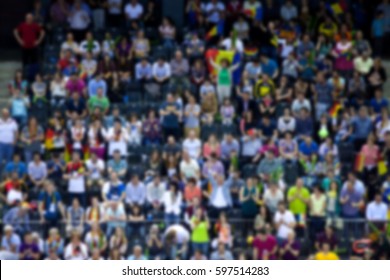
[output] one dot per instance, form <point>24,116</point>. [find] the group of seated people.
<point>270,140</point>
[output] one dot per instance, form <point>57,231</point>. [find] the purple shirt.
<point>32,247</point>
<point>75,86</point>
<point>347,209</point>
<point>296,246</point>
<point>215,168</point>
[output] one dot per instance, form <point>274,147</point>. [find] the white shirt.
<point>219,201</point>
<point>228,44</point>
<point>84,47</point>
<point>134,12</point>
<point>95,168</point>
<point>70,254</point>
<point>172,206</point>
<point>14,195</point>
<point>161,71</point>
<point>182,234</point>
<point>79,20</point>
<point>376,211</point>
<point>287,217</point>
<point>114,7</point>
<point>214,16</point>
<point>8,129</point>
<point>71,46</point>
<point>189,169</point>
<point>192,147</point>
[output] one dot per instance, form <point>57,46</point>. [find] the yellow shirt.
<point>326,257</point>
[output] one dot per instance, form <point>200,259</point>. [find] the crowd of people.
<point>125,138</point>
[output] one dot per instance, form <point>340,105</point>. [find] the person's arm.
<point>42,34</point>
<point>17,37</point>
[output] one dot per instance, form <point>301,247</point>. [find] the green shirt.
<point>224,77</point>
<point>297,205</point>
<point>200,233</point>
<point>97,102</point>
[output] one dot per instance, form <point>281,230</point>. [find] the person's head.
<point>221,248</point>
<point>75,203</point>
<point>49,186</point>
<point>224,63</point>
<point>135,179</point>
<point>262,234</point>
<point>28,238</point>
<point>137,251</point>
<point>325,247</point>
<point>5,114</point>
<point>8,230</point>
<point>299,183</point>
<point>281,207</point>
<point>89,36</point>
<point>37,157</point>
<point>178,55</point>
<point>363,112</point>
<point>191,182</point>
<point>378,198</point>
<point>29,18</point>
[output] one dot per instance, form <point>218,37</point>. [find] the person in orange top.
<point>192,191</point>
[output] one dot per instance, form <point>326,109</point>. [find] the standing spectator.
<point>213,10</point>
<point>29,36</point>
<point>200,237</point>
<point>75,175</point>
<point>9,136</point>
<point>133,11</point>
<point>284,222</point>
<point>79,21</point>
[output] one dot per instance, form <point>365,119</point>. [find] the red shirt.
<point>29,34</point>
<point>265,246</point>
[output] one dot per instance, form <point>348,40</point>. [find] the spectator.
<point>284,222</point>
<point>135,192</point>
<point>9,132</point>
<point>76,249</point>
<point>29,35</point>
<point>264,246</point>
<point>79,21</point>
<point>325,253</point>
<point>221,253</point>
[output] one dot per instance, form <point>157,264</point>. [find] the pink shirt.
<point>370,155</point>
<point>75,86</point>
<point>265,247</point>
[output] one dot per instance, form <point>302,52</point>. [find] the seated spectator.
<point>70,44</point>
<point>325,253</point>
<point>329,237</point>
<point>37,171</point>
<point>28,250</point>
<point>115,216</point>
<point>95,169</point>
<point>75,217</point>
<point>117,138</point>
<point>351,201</point>
<point>134,128</point>
<point>161,71</point>
<point>151,129</point>
<point>94,213</point>
<point>58,90</point>
<point>32,137</point>
<point>191,191</point>
<point>133,11</point>
<point>89,45</point>
<point>269,166</point>
<point>170,113</point>
<point>264,246</point>
<point>114,190</point>
<point>16,165</point>
<point>290,250</point>
<point>377,210</point>
<point>155,193</point>
<point>76,249</point>
<point>136,220</point>
<point>249,199</point>
<point>172,205</point>
<point>284,222</point>
<point>137,254</point>
<point>141,45</point>
<point>143,70</point>
<point>19,106</point>
<point>95,239</point>
<point>118,241</point>
<point>167,32</point>
<point>221,253</point>
<point>180,69</point>
<point>135,192</point>
<point>18,218</point>
<point>189,167</point>
<point>195,47</point>
<point>54,243</point>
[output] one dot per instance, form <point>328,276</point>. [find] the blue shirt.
<point>50,203</point>
<point>269,68</point>
<point>377,105</point>
<point>19,167</point>
<point>115,192</point>
<point>378,26</point>
<point>308,149</point>
<point>362,127</point>
<point>143,72</point>
<point>170,120</point>
<point>94,85</point>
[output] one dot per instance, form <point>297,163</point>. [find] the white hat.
<point>8,228</point>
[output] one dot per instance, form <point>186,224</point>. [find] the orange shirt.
<point>191,193</point>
